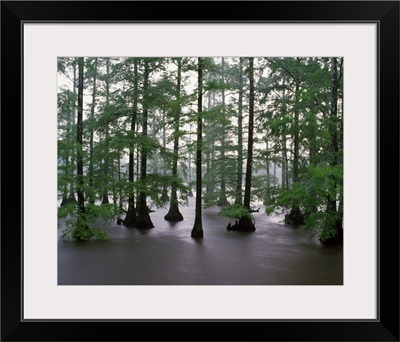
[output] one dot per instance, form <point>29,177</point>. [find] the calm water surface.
<point>275,254</point>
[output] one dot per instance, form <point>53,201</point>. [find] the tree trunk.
<point>197,231</point>
<point>120,205</point>
<point>223,201</point>
<point>295,217</point>
<point>65,186</point>
<point>71,197</point>
<point>332,201</point>
<point>131,217</point>
<point>284,180</point>
<point>312,156</point>
<point>91,160</point>
<point>247,191</point>
<point>174,213</point>
<point>312,138</point>
<point>285,174</point>
<point>296,136</point>
<point>246,223</point>
<point>137,170</point>
<point>68,197</point>
<point>208,152</point>
<point>190,193</point>
<point>106,158</point>
<point>268,185</point>
<point>113,188</point>
<point>238,199</point>
<point>82,224</point>
<point>79,126</point>
<point>143,220</point>
<point>209,149</point>
<point>164,195</point>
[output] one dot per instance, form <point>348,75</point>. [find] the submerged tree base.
<point>197,231</point>
<point>143,224</point>
<point>244,221</point>
<point>295,217</point>
<point>244,224</point>
<point>143,220</point>
<point>130,219</point>
<point>173,215</point>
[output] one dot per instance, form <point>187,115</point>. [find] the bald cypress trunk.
<point>164,195</point>
<point>106,158</point>
<point>131,217</point>
<point>295,216</point>
<point>197,231</point>
<point>284,180</point>
<point>79,140</point>
<point>143,220</point>
<point>285,173</point>
<point>209,150</point>
<point>247,191</point>
<point>190,193</point>
<point>246,223</point>
<point>68,197</point>
<point>174,213</point>
<point>238,199</point>
<point>82,227</point>
<point>91,159</point>
<point>223,201</point>
<point>71,196</point>
<point>268,182</point>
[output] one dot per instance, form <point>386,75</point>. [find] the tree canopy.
<point>138,133</point>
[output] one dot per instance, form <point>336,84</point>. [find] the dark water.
<point>275,254</point>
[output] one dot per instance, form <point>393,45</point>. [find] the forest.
<point>243,134</point>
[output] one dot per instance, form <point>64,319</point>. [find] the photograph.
<point>200,170</point>
<point>214,166</point>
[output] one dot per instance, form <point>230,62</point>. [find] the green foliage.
<point>107,212</point>
<point>319,184</point>
<point>75,225</point>
<point>153,184</point>
<point>211,198</point>
<point>321,224</point>
<point>296,194</point>
<point>270,209</point>
<point>66,211</point>
<point>81,231</point>
<point>215,85</point>
<point>235,211</point>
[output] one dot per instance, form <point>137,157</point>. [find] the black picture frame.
<point>384,13</point>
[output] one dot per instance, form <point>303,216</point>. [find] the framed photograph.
<point>217,164</point>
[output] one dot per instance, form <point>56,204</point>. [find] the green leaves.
<point>322,224</point>
<point>318,185</point>
<point>74,225</point>
<point>235,211</point>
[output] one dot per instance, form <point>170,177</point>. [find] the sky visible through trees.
<point>240,133</point>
